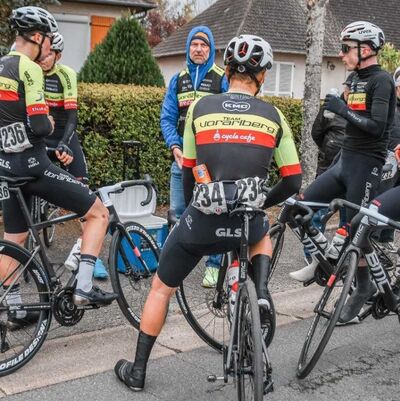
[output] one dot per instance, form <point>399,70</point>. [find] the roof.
<point>283,23</point>
<point>141,5</point>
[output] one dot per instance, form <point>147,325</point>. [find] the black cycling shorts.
<point>197,235</point>
<point>53,184</point>
<point>354,177</point>
<point>78,167</point>
<point>388,203</point>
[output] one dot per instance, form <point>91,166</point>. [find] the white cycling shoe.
<point>306,273</point>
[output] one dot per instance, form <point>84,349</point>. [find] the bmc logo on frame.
<point>230,105</point>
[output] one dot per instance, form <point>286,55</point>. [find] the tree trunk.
<point>316,10</point>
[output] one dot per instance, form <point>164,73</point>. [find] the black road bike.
<point>245,357</point>
<point>340,282</point>
<point>133,259</point>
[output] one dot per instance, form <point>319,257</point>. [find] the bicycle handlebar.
<point>146,182</point>
<point>309,212</point>
<point>339,203</point>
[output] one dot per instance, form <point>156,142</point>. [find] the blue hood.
<point>199,69</point>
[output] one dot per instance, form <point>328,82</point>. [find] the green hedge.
<point>110,114</point>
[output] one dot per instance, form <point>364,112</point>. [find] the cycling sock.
<point>364,290</point>
<point>13,298</point>
<point>260,272</point>
<point>84,276</point>
<point>143,349</point>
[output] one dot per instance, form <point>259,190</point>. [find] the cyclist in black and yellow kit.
<point>235,135</point>
<point>24,123</point>
<point>369,112</point>
<point>61,94</point>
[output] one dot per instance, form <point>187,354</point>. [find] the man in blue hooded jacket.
<point>201,77</point>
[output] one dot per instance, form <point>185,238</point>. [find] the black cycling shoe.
<point>133,380</point>
<point>94,296</point>
<point>15,323</point>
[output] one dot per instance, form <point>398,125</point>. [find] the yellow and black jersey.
<point>236,135</point>
<point>21,91</point>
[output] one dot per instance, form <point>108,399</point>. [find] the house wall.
<point>332,77</point>
<point>74,23</point>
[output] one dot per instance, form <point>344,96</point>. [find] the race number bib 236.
<point>250,192</point>
<point>210,198</point>
<point>14,138</point>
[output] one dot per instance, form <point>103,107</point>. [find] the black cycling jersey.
<point>371,103</point>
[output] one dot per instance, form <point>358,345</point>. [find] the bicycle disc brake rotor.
<point>65,311</point>
<point>218,312</point>
<point>379,309</point>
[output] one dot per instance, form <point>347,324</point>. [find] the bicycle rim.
<point>205,309</point>
<point>51,212</point>
<point>22,332</point>
<point>277,236</point>
<point>327,313</point>
<point>250,364</point>
<point>127,268</point>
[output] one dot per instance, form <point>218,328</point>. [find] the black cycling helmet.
<point>30,19</point>
<point>26,20</point>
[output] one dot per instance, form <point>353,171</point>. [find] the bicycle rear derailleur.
<point>65,311</point>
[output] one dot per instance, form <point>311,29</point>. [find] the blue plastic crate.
<point>159,234</point>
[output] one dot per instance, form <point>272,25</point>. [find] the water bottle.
<point>233,283</point>
<point>337,244</point>
<point>329,114</point>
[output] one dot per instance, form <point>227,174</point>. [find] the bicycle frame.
<point>39,248</point>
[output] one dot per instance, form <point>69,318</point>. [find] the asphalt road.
<point>361,363</point>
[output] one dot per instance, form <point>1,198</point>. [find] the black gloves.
<point>335,104</point>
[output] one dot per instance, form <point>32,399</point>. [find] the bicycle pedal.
<point>214,378</point>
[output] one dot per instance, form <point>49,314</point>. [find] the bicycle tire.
<point>277,236</point>
<point>328,319</point>
<point>250,364</point>
<point>48,214</point>
<point>19,346</point>
<point>126,269</point>
<point>209,321</point>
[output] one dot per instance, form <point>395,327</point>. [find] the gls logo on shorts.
<point>227,232</point>
<point>230,105</point>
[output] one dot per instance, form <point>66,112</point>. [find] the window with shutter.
<point>279,80</point>
<point>100,27</point>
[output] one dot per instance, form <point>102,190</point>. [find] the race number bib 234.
<point>250,192</point>
<point>14,138</point>
<point>210,198</point>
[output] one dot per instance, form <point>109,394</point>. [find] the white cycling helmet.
<point>28,19</point>
<point>249,53</point>
<point>364,32</point>
<point>58,42</point>
<point>396,76</point>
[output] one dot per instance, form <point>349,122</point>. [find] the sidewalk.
<point>82,355</point>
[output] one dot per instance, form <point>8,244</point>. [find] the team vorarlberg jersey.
<point>61,94</point>
<point>236,135</point>
<point>372,95</point>
<point>21,96</point>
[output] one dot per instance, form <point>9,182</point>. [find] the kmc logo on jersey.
<point>230,105</point>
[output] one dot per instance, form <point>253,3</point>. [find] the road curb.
<point>82,355</point>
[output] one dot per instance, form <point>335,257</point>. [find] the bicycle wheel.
<point>327,313</point>
<point>49,212</point>
<point>206,309</point>
<point>25,313</point>
<point>250,366</point>
<point>277,235</point>
<point>128,269</point>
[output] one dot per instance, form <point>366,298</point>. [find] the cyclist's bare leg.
<point>156,307</point>
<point>262,247</point>
<point>95,229</point>
<point>7,264</point>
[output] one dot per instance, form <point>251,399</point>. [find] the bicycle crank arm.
<point>90,306</point>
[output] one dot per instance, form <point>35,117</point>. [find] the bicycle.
<point>246,356</point>
<point>45,294</point>
<point>207,309</point>
<point>329,307</point>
